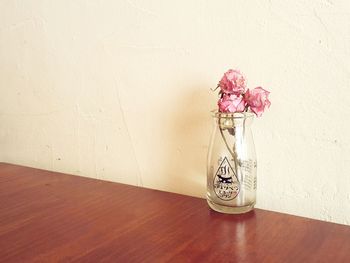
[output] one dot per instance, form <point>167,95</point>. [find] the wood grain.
<point>52,217</point>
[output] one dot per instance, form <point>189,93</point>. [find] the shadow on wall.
<point>189,133</point>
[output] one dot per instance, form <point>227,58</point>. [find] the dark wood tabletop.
<point>53,217</point>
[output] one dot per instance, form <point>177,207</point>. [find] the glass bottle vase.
<point>231,164</point>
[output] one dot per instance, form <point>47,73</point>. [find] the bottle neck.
<point>231,120</point>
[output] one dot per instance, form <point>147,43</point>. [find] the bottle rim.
<point>234,115</point>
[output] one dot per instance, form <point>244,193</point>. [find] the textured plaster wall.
<point>120,90</point>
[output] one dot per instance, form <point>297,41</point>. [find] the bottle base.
<point>230,209</point>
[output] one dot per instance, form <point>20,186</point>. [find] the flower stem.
<point>234,156</point>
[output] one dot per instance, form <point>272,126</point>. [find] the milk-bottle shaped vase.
<point>231,164</point>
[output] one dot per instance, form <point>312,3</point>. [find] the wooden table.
<point>52,217</point>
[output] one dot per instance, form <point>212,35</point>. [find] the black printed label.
<point>226,184</point>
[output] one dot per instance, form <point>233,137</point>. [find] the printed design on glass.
<point>226,184</point>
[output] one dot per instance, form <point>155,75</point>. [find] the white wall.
<point>120,90</point>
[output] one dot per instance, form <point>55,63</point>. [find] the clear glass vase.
<point>231,165</point>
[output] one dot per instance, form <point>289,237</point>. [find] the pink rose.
<point>232,82</point>
<point>231,103</point>
<point>257,99</point>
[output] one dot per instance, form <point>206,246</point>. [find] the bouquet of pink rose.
<point>234,97</point>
